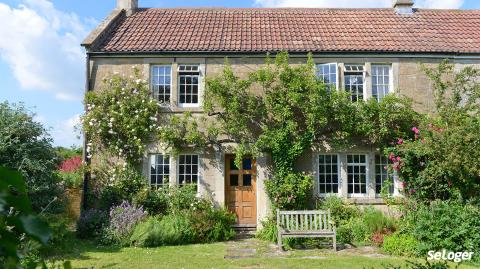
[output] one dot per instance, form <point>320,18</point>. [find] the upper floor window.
<point>161,82</point>
<point>354,81</point>
<point>328,74</point>
<point>380,80</point>
<point>188,169</point>
<point>328,173</point>
<point>188,77</point>
<point>159,170</point>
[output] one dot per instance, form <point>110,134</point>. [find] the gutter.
<point>360,54</point>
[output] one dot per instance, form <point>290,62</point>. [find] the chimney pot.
<point>130,6</point>
<point>404,7</point>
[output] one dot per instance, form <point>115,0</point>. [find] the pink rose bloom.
<point>400,141</point>
<point>398,158</point>
<point>415,130</point>
<point>391,156</point>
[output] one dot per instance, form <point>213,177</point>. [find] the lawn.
<point>88,255</point>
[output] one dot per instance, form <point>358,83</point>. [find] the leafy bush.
<point>120,184</point>
<point>62,234</point>
<point>269,231</point>
<point>71,172</point>
<point>290,191</point>
<point>123,219</point>
<point>212,224</point>
<point>92,223</point>
<point>172,229</point>
<point>376,221</point>
<point>400,244</point>
<point>340,209</point>
<point>448,225</point>
<point>345,234</point>
<point>26,146</point>
<point>155,202</point>
<point>182,198</point>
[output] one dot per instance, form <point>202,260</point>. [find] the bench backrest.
<point>308,220</point>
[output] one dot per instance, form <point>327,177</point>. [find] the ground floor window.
<point>188,169</point>
<point>381,174</point>
<point>357,173</point>
<point>159,170</point>
<point>328,173</point>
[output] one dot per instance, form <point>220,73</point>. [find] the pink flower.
<point>415,130</point>
<point>398,158</point>
<point>391,156</point>
<point>412,191</point>
<point>400,141</point>
<point>404,184</point>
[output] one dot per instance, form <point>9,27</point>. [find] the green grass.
<point>88,255</point>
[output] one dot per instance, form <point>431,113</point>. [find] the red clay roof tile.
<point>294,30</point>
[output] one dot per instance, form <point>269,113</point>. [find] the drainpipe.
<point>86,160</point>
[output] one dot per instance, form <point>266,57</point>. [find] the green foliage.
<point>17,222</point>
<point>26,146</point>
<point>62,235</point>
<point>120,183</point>
<point>67,153</point>
<point>121,117</point>
<point>426,265</point>
<point>269,231</point>
<point>400,244</point>
<point>154,201</point>
<point>71,180</point>
<point>174,229</point>
<point>284,110</point>
<point>212,224</point>
<point>341,210</point>
<point>290,191</point>
<point>446,225</point>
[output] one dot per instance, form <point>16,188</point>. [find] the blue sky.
<point>42,63</point>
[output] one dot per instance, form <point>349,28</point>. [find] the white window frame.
<point>199,82</point>
<point>363,71</point>
<point>198,169</point>
<point>339,174</point>
<point>152,67</point>
<point>382,173</point>
<point>390,79</point>
<point>337,76</point>
<point>154,156</point>
<point>367,174</point>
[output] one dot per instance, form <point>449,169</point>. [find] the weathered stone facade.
<point>407,79</point>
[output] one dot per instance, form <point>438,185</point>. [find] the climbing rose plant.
<point>439,159</point>
<point>121,117</point>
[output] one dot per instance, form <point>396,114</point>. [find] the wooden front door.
<point>240,187</point>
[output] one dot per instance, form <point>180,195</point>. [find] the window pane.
<point>159,170</point>
<point>160,81</point>
<point>247,180</point>
<point>247,164</point>
<point>188,84</point>
<point>188,169</point>
<point>328,173</point>
<point>357,173</point>
<point>381,174</point>
<point>233,180</point>
<point>327,73</point>
<point>380,81</point>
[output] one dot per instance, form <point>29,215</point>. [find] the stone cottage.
<point>367,52</point>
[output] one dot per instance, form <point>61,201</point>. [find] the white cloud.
<point>65,132</point>
<point>41,46</point>
<point>356,3</point>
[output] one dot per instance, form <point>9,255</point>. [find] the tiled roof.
<point>294,30</point>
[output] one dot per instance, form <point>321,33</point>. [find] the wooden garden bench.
<point>308,224</point>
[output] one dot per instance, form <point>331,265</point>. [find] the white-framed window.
<point>354,75</point>
<point>161,82</point>
<point>159,170</point>
<point>357,174</point>
<point>328,74</point>
<point>328,173</point>
<point>188,84</point>
<point>188,166</point>
<point>381,173</point>
<point>381,80</point>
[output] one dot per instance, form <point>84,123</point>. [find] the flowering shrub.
<point>71,173</point>
<point>71,165</point>
<point>121,117</point>
<point>123,219</point>
<point>292,191</point>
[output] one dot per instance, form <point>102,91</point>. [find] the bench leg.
<point>334,242</point>
<point>279,240</point>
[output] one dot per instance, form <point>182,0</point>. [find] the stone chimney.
<point>403,7</point>
<point>130,6</point>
